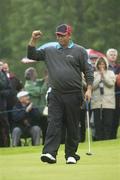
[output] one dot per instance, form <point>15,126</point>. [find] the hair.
<point>102,60</point>
<point>30,73</point>
<point>1,62</point>
<point>111,50</point>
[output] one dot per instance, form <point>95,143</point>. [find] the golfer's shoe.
<point>71,160</point>
<point>48,158</point>
<point>77,157</point>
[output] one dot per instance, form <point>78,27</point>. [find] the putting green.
<point>23,163</point>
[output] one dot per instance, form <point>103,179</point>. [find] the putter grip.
<point>87,105</point>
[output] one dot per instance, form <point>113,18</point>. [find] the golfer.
<point>65,62</point>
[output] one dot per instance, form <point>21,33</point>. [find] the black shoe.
<point>77,157</point>
<point>48,158</point>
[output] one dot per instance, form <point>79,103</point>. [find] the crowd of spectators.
<point>22,105</point>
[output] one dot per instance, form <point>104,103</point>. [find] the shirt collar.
<point>70,45</point>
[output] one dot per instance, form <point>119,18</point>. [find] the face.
<point>1,65</point>
<point>93,61</point>
<point>112,56</point>
<point>5,67</point>
<point>25,100</point>
<point>34,77</point>
<point>63,39</point>
<point>101,66</point>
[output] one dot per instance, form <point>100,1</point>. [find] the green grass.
<point>23,163</point>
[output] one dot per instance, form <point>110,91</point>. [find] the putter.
<point>88,126</point>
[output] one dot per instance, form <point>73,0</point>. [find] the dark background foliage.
<point>96,24</point>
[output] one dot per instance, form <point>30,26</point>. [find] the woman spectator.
<point>37,89</point>
<point>103,99</point>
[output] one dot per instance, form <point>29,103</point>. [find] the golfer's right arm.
<point>36,35</point>
<point>32,53</point>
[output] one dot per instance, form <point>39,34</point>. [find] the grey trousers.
<point>34,132</point>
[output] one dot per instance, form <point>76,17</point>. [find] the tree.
<point>95,25</point>
<point>5,11</point>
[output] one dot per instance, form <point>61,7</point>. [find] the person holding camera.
<point>26,119</point>
<point>103,99</point>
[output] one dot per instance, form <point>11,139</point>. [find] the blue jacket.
<point>19,116</point>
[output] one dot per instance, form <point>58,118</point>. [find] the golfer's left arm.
<point>88,93</point>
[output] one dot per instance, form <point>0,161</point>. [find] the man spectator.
<point>16,86</point>
<point>25,120</point>
<point>5,92</point>
<point>112,55</point>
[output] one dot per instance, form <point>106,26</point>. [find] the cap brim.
<point>60,33</point>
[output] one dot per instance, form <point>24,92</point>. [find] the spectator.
<point>16,83</point>
<point>112,55</point>
<point>5,92</point>
<point>103,100</point>
<point>82,123</point>
<point>65,62</point>
<point>37,89</point>
<point>16,86</point>
<point>32,85</point>
<point>25,120</point>
<point>93,58</point>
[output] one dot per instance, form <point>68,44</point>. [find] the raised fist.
<point>36,34</point>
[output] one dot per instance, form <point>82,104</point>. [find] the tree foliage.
<point>95,25</point>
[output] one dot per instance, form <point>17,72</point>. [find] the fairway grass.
<point>23,163</point>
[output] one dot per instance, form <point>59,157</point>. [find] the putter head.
<point>89,153</point>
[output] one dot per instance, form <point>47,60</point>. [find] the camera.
<point>101,86</point>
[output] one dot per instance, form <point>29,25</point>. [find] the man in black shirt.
<point>65,63</point>
<point>5,92</point>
